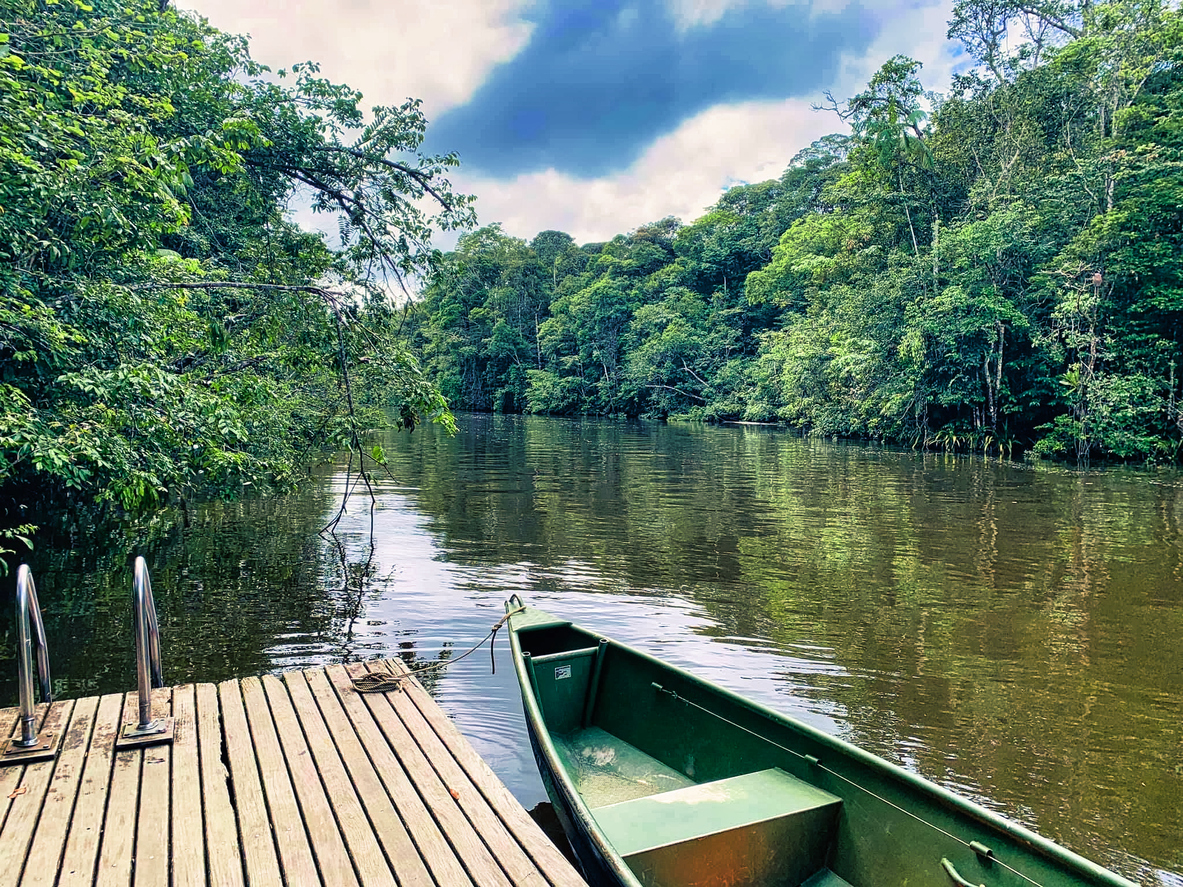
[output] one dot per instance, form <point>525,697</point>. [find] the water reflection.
<point>1010,632</point>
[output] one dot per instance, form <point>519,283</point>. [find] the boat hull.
<point>662,779</point>
<point>596,867</point>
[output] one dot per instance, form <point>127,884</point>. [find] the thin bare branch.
<point>418,175</point>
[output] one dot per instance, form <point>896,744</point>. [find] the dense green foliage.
<point>165,328</point>
<point>993,268</point>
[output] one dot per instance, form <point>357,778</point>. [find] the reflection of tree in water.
<point>411,658</point>
<point>358,579</point>
<point>237,587</point>
<point>998,627</point>
<point>356,576</point>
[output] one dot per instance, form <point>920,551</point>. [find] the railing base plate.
<point>46,749</point>
<point>159,731</point>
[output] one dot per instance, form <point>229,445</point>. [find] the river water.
<point>1014,633</point>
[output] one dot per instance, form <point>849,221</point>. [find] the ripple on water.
<point>1007,631</point>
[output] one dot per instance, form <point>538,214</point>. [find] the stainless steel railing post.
<point>149,674</point>
<point>148,670</point>
<point>30,633</point>
<point>30,639</point>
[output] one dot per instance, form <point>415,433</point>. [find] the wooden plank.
<point>336,869</point>
<point>53,823</point>
<point>258,845</point>
<point>400,849</point>
<point>152,823</point>
<point>355,825</point>
<point>372,798</point>
<point>437,854</point>
<point>541,849</point>
<point>119,824</point>
<point>10,776</point>
<point>327,787</point>
<point>223,855</point>
<point>188,823</point>
<point>24,805</point>
<point>481,865</point>
<point>299,867</point>
<point>510,855</point>
<point>8,718</point>
<point>86,824</point>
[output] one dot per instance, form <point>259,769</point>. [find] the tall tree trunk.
<point>997,376</point>
<point>989,385</point>
<point>936,245</point>
<point>908,213</point>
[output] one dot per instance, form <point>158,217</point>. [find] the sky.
<point>596,116</point>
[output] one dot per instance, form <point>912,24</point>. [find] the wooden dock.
<point>292,779</point>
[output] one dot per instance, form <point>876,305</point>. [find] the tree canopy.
<point>995,269</point>
<point>166,328</point>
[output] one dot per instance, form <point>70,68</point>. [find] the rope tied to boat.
<point>391,682</point>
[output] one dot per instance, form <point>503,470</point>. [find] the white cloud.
<point>918,32</point>
<point>439,52</point>
<point>684,172</point>
<point>704,13</point>
<point>689,14</point>
<point>700,13</point>
<point>680,174</point>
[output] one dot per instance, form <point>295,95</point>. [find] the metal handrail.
<point>148,670</point>
<point>30,633</point>
<point>149,674</point>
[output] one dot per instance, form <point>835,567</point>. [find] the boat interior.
<point>685,797</point>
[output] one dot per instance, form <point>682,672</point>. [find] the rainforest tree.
<point>166,329</point>
<point>992,269</point>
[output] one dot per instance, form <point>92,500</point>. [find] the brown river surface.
<point>1013,632</point>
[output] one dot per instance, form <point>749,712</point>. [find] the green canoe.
<point>662,779</point>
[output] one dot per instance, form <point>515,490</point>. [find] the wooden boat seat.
<point>607,770</point>
<point>826,878</point>
<point>761,828</point>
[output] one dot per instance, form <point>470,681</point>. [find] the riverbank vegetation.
<point>994,269</point>
<point>166,329</point>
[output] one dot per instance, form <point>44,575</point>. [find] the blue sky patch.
<point>599,80</point>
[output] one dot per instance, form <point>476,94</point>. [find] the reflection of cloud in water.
<point>970,620</point>
<point>420,603</point>
<point>675,630</point>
